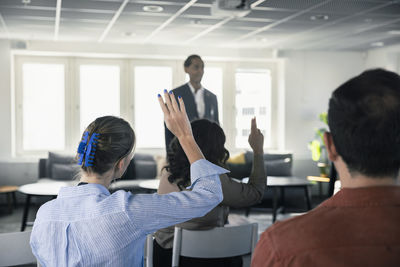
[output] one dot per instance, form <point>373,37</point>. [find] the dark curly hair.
<point>211,139</point>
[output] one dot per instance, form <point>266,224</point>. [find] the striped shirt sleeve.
<point>150,212</point>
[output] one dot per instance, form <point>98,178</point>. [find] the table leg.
<point>282,191</point>
<point>9,204</point>
<point>308,197</point>
<point>14,199</point>
<point>274,204</point>
<point>26,210</point>
<point>320,189</point>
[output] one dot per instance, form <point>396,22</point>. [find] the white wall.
<point>5,100</point>
<point>384,58</point>
<point>310,78</point>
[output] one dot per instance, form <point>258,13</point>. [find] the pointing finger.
<point>253,124</point>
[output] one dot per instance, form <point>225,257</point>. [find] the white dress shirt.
<point>88,226</point>
<point>199,99</point>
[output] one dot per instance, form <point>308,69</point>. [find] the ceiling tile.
<point>351,24</point>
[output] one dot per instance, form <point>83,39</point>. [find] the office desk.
<point>279,183</point>
<point>274,182</point>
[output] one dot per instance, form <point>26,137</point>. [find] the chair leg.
<point>26,211</point>
<point>247,211</point>
<point>308,197</point>
<point>274,204</point>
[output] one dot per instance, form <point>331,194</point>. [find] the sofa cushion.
<point>142,166</point>
<point>278,167</point>
<point>275,164</point>
<point>64,171</point>
<point>145,169</point>
<point>145,166</point>
<point>237,159</point>
<point>130,171</point>
<point>239,171</point>
<point>141,156</point>
<point>55,158</point>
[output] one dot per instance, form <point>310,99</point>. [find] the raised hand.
<point>256,138</point>
<point>175,116</point>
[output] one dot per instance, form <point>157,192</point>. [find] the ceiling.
<point>278,24</point>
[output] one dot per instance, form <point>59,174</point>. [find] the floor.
<point>12,222</point>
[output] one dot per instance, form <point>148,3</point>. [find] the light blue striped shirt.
<point>88,226</point>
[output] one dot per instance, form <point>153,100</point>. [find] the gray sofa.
<point>275,164</point>
<point>60,167</point>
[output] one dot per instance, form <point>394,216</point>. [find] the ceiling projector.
<point>229,8</point>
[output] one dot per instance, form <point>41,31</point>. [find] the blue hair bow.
<point>91,150</point>
<point>82,147</point>
<point>87,149</point>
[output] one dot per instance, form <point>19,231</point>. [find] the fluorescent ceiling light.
<point>377,44</point>
<point>319,17</point>
<point>128,34</point>
<point>155,9</point>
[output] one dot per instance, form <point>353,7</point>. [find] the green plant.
<point>318,148</point>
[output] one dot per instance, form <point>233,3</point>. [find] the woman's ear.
<point>124,163</point>
<point>330,147</point>
<point>120,167</point>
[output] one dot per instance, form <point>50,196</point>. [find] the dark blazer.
<point>210,102</point>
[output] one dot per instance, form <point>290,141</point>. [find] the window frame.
<point>123,89</point>
<point>127,94</point>
<point>173,64</point>
<point>18,66</point>
<point>230,109</point>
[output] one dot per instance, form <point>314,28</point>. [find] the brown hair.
<point>116,141</point>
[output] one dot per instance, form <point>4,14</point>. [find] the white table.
<point>150,184</point>
<point>281,183</point>
<point>44,187</point>
<point>274,182</point>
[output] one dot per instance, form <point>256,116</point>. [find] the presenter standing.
<point>200,103</point>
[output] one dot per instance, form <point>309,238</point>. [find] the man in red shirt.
<point>360,225</point>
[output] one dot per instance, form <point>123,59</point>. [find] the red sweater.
<point>355,227</point>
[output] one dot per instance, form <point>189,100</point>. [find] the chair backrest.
<point>219,242</point>
<point>148,251</point>
<point>15,249</point>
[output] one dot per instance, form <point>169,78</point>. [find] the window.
<point>150,81</point>
<point>212,80</point>
<point>57,97</point>
<point>99,92</point>
<point>43,110</point>
<point>253,98</point>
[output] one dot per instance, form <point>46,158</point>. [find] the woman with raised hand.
<point>176,178</point>
<point>88,226</point>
